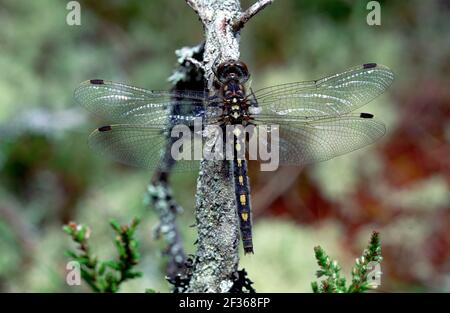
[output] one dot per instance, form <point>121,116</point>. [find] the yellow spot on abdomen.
<point>238,147</point>
<point>244,216</point>
<point>239,163</point>
<point>241,180</point>
<point>243,199</point>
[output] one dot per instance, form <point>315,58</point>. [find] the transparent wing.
<point>140,146</point>
<point>338,94</point>
<point>302,141</point>
<point>123,104</point>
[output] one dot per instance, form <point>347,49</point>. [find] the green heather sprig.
<point>105,276</point>
<point>330,270</point>
<point>360,281</point>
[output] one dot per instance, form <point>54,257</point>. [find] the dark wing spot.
<point>97,81</point>
<point>104,128</point>
<point>366,115</point>
<point>369,65</point>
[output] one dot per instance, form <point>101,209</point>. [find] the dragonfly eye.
<point>232,70</point>
<point>221,72</point>
<point>242,68</point>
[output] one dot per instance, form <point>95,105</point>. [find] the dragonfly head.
<point>232,70</point>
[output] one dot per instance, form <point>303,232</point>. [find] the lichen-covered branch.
<point>249,13</point>
<point>216,259</point>
<point>187,76</point>
<point>214,267</point>
<point>217,255</point>
<point>195,5</point>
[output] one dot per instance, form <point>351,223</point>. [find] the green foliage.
<point>361,269</point>
<point>105,276</point>
<point>330,269</point>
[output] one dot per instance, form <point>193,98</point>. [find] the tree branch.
<point>249,13</point>
<point>187,76</point>
<point>194,4</point>
<point>217,256</point>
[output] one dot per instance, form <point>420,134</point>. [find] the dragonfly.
<point>315,120</point>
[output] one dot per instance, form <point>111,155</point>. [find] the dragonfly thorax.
<point>233,92</point>
<point>232,75</point>
<point>235,103</point>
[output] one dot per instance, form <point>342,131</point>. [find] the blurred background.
<point>399,186</point>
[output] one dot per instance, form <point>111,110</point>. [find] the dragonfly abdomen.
<point>242,191</point>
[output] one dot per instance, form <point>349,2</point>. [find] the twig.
<point>160,197</point>
<point>195,62</point>
<point>195,6</point>
<point>249,13</point>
